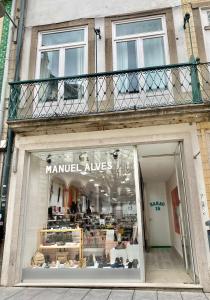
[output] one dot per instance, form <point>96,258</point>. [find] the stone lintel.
<point>114,120</point>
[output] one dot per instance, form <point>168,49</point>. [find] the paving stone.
<point>28,294</point>
<point>121,295</point>
<point>74,294</point>
<point>169,295</point>
<point>193,295</point>
<point>58,290</point>
<point>145,295</point>
<point>5,293</point>
<point>50,293</point>
<point>96,294</point>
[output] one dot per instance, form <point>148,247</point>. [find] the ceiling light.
<point>122,182</point>
<point>96,184</point>
<point>102,191</point>
<point>106,195</point>
<point>115,153</point>
<point>91,180</point>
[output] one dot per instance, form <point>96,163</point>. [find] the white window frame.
<point>61,48</point>
<point>61,105</point>
<point>139,37</point>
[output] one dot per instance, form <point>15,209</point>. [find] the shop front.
<point>103,213</point>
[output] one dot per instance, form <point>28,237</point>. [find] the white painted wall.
<point>175,237</point>
<point>158,225</point>
<point>180,35</point>
<point>52,11</point>
<point>100,24</point>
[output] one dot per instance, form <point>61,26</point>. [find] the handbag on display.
<point>62,257</point>
<point>38,259</point>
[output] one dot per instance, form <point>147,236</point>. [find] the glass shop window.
<point>85,217</point>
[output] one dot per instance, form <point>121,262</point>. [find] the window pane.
<point>153,52</point>
<point>154,55</point>
<point>126,55</point>
<point>74,62</point>
<point>49,64</point>
<point>62,37</point>
<point>139,27</point>
<point>127,60</point>
<point>74,65</point>
<point>49,69</point>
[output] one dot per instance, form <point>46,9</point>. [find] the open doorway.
<point>168,247</point>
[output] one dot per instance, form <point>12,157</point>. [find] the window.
<point>139,44</point>
<point>62,54</point>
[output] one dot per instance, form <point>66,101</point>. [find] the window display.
<point>88,213</point>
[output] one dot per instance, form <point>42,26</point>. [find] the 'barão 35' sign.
<point>73,168</point>
<point>157,205</point>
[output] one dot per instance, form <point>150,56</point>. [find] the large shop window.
<point>138,44</point>
<point>61,54</point>
<point>82,221</point>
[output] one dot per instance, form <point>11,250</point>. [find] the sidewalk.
<point>95,294</point>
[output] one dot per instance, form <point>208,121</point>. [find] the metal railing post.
<point>196,91</point>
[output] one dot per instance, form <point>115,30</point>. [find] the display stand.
<point>61,242</point>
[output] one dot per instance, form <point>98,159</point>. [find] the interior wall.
<point>157,215</point>
<point>175,237</point>
<point>37,208</point>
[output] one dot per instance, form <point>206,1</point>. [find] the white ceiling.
<point>157,161</point>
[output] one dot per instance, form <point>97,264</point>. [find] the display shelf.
<point>72,239</point>
<point>66,246</point>
<point>61,230</point>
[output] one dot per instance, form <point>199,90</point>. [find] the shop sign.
<point>73,168</point>
<point>157,205</point>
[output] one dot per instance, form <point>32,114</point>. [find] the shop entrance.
<point>168,246</point>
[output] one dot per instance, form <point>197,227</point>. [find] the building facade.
<point>109,175</point>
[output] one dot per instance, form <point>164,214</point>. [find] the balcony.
<point>94,94</point>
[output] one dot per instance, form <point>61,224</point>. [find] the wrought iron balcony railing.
<point>164,86</point>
